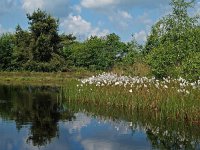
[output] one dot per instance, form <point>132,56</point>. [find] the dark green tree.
<point>96,53</point>
<point>66,44</point>
<point>133,53</point>
<point>22,52</point>
<point>6,50</point>
<point>45,38</point>
<point>114,49</point>
<point>172,40</point>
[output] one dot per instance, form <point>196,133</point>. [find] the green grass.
<point>168,103</point>
<point>40,78</point>
<point>150,122</point>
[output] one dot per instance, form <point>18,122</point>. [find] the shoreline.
<point>165,100</point>
<point>41,78</point>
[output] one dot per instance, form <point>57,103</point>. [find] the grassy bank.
<point>40,78</point>
<point>163,133</point>
<point>174,99</point>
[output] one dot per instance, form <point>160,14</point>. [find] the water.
<point>38,117</point>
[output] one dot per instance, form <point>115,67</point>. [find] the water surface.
<point>38,117</point>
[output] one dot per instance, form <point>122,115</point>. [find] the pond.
<point>39,117</point>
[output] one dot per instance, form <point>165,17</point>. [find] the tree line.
<point>171,49</point>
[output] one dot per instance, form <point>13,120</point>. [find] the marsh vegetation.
<point>41,117</point>
<point>51,81</point>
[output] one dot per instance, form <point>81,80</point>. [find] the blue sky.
<point>90,17</point>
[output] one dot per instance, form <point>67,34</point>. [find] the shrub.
<point>57,63</point>
<point>6,50</point>
<point>191,67</point>
<point>173,39</point>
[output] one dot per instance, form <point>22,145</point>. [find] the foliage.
<point>21,52</point>
<point>95,53</point>
<point>172,40</point>
<point>6,50</point>
<point>43,49</point>
<point>44,34</point>
<point>133,53</point>
<point>55,64</point>
<point>34,104</point>
<point>172,98</point>
<point>171,48</point>
<point>191,67</point>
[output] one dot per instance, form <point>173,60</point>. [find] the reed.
<point>162,132</point>
<point>176,99</point>
<point>171,98</point>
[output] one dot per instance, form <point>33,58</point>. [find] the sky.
<point>83,18</point>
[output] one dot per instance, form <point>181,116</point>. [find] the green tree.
<point>86,54</point>
<point>22,52</point>
<point>45,45</point>
<point>191,66</point>
<point>45,38</point>
<point>66,44</point>
<point>6,50</point>
<point>96,53</point>
<point>133,53</point>
<point>172,40</point>
<point>114,49</point>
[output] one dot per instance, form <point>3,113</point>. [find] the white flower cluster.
<point>111,79</point>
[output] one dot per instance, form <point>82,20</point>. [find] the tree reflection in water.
<point>41,109</point>
<point>35,107</point>
<point>161,132</point>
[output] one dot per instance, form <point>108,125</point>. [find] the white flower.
<point>116,83</point>
<point>179,91</point>
<point>157,85</point>
<point>187,92</point>
<point>130,91</point>
<point>165,86</point>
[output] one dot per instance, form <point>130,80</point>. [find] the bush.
<point>191,67</point>
<point>161,61</point>
<point>6,50</point>
<point>173,39</point>
<point>57,63</point>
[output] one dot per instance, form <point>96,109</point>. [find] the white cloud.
<point>120,19</point>
<point>77,9</point>
<point>129,3</point>
<point>144,3</point>
<point>197,8</point>
<point>141,37</point>
<point>31,5</point>
<point>80,27</point>
<point>125,15</point>
<point>76,125</point>
<point>97,144</point>
<point>99,4</point>
<point>58,7</point>
<point>145,19</point>
<point>76,25</point>
<point>120,12</point>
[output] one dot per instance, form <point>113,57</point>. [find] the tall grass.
<point>162,132</point>
<point>174,99</point>
<point>42,78</point>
